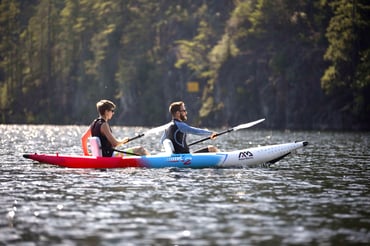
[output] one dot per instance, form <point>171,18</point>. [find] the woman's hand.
<point>124,141</point>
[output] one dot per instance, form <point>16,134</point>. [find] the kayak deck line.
<point>249,157</point>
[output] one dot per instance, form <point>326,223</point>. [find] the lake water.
<point>320,195</point>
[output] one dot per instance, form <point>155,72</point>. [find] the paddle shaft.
<point>207,138</point>
<point>242,126</point>
<point>136,137</point>
<point>124,152</point>
<point>130,139</point>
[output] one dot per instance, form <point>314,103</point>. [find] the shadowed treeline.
<point>299,64</point>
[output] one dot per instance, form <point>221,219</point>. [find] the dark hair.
<point>175,106</point>
<point>104,105</point>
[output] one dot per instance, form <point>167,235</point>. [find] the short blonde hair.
<point>104,105</point>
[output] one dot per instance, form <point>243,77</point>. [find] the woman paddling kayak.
<point>100,128</point>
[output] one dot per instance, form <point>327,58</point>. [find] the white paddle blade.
<point>158,129</point>
<point>247,125</point>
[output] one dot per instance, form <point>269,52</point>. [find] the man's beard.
<point>183,117</point>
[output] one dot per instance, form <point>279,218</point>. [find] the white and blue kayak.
<point>250,157</point>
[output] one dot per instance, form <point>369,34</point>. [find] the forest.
<point>302,65</point>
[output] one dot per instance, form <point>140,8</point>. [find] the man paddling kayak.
<point>177,131</point>
<point>100,128</point>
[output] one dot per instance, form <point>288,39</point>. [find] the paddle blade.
<point>247,125</point>
<point>158,129</point>
<point>155,130</point>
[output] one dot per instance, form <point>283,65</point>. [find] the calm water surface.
<point>320,195</point>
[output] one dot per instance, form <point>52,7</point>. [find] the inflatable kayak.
<point>239,158</point>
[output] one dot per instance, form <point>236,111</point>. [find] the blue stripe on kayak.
<point>184,160</point>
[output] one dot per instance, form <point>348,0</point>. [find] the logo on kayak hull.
<point>184,159</point>
<point>245,155</point>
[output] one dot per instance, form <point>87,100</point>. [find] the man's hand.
<point>214,135</point>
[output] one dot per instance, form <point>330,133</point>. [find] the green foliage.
<point>193,54</point>
<point>252,58</point>
<point>348,52</point>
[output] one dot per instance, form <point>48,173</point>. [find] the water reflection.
<point>319,195</point>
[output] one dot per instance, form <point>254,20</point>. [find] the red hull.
<point>87,161</point>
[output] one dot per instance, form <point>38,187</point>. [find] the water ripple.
<point>319,195</point>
